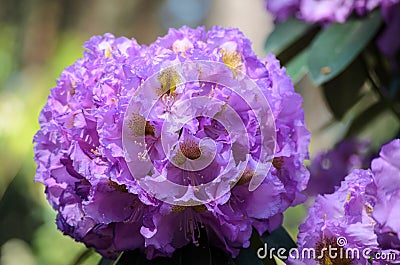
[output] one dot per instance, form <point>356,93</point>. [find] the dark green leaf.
<point>202,255</point>
<point>297,67</point>
<point>196,255</point>
<point>338,45</point>
<point>365,118</point>
<point>257,245</point>
<point>284,34</point>
<point>220,257</point>
<point>279,239</point>
<point>343,91</point>
<point>248,256</point>
<point>138,258</point>
<point>398,135</point>
<point>104,261</point>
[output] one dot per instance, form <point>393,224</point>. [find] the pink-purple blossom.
<point>81,158</point>
<point>324,11</point>
<point>328,169</point>
<point>386,190</point>
<point>362,214</point>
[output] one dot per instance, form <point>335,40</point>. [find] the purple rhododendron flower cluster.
<point>362,215</point>
<point>81,160</point>
<point>328,169</point>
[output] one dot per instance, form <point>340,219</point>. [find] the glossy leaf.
<point>343,91</point>
<point>202,255</point>
<point>196,255</point>
<point>104,261</point>
<point>297,67</point>
<point>248,256</point>
<point>279,239</point>
<point>362,121</point>
<point>220,257</point>
<point>284,34</point>
<point>335,47</point>
<point>257,245</point>
<point>138,258</point>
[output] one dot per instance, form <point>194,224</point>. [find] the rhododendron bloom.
<point>127,122</point>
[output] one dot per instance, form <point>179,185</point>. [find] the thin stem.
<point>383,93</point>
<point>82,257</point>
<point>117,260</point>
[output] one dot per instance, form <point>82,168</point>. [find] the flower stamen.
<point>328,252</point>
<point>190,149</point>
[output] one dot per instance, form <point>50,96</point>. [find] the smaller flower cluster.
<point>317,11</point>
<point>362,211</point>
<point>329,168</point>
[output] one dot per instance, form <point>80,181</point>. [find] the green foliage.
<point>196,255</point>
<point>7,52</point>
<point>342,60</point>
<point>248,256</point>
<point>206,255</point>
<point>297,67</point>
<point>334,48</point>
<point>279,239</point>
<point>285,34</point>
<point>344,91</point>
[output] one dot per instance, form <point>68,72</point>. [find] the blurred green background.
<point>38,38</point>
